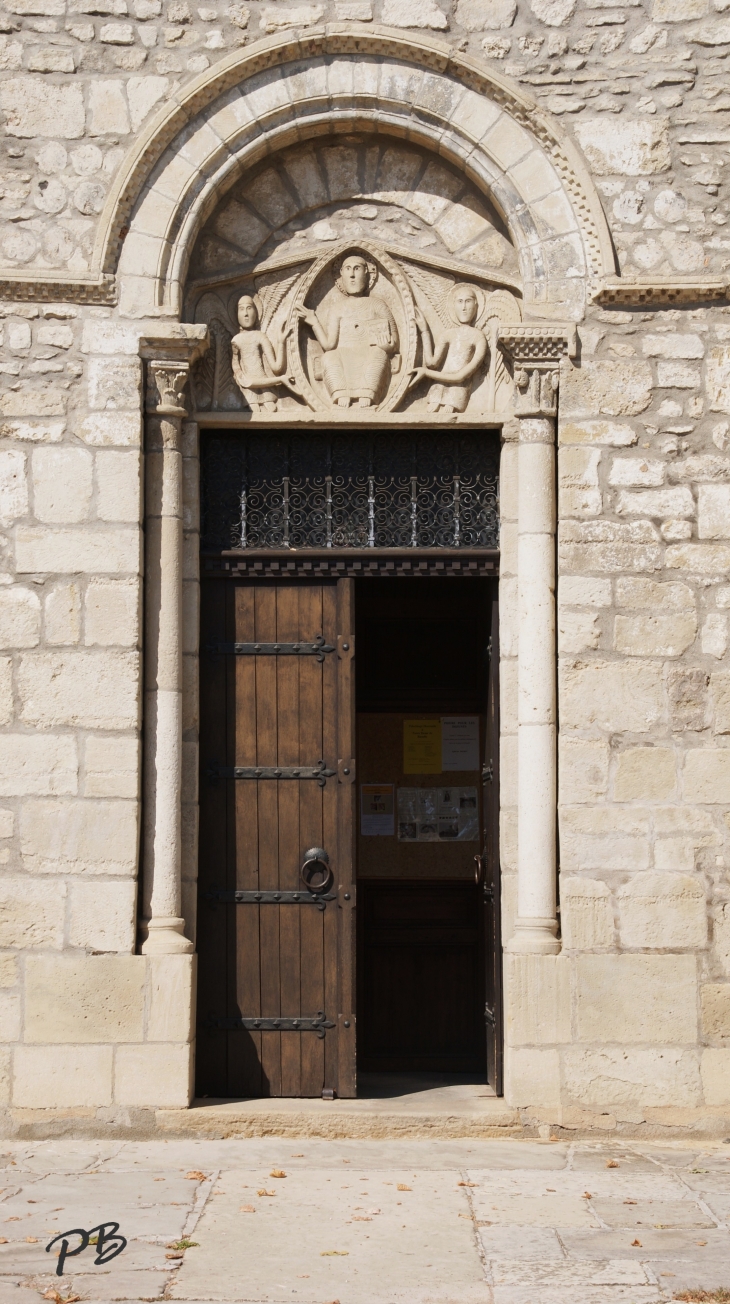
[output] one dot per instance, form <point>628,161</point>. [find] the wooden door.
<point>276,987</point>
<point>490,867</point>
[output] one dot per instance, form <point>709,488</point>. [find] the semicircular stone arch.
<point>466,166</point>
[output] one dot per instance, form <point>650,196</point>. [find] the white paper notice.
<point>377,817</point>
<point>460,742</point>
<point>438,815</point>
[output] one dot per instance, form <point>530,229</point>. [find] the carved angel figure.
<point>358,337</point>
<point>257,361</point>
<point>455,360</point>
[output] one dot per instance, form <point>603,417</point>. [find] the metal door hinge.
<point>269,897</point>
<point>318,772</point>
<point>488,773</point>
<point>489,1017</point>
<point>318,648</point>
<point>346,770</point>
<point>318,1024</point>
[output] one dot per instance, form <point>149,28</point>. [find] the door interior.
<point>423,671</point>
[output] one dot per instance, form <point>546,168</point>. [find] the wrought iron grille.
<point>354,490</point>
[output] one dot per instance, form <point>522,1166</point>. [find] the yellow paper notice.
<point>421,746</point>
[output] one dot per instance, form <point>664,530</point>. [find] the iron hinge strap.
<point>318,1024</point>
<point>235,897</point>
<point>489,1017</point>
<point>318,772</point>
<point>317,649</point>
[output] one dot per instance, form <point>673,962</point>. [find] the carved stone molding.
<point>659,292</point>
<point>49,289</point>
<point>539,343</point>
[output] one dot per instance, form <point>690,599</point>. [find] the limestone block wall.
<point>630,1024</point>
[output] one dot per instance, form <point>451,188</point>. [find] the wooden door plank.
<point>493,878</point>
<point>312,798</point>
<point>268,797</point>
<point>346,830</point>
<point>245,1047</point>
<point>288,629</point>
<point>331,922</point>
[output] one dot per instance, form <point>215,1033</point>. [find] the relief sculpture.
<point>358,338</point>
<point>353,329</point>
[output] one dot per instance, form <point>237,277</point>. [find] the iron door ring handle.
<point>479,870</point>
<point>316,873</point>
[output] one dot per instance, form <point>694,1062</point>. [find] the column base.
<point>534,937</point>
<point>163,936</point>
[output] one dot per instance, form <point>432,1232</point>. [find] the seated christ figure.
<point>358,337</point>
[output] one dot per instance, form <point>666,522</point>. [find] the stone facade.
<point>576,154</point>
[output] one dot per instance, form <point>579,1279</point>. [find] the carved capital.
<point>166,381</point>
<point>536,392</point>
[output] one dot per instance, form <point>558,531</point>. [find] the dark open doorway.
<point>422,700</point>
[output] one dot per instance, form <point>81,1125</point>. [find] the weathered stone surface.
<point>538,1000</point>
<point>650,595</point>
<point>92,998</point>
<point>612,696</point>
<point>707,775</point>
<point>614,388</point>
<point>112,613</point>
<point>717,374</point>
<point>102,552</point>
<point>720,694</point>
<point>20,618</point>
<point>649,635</point>
<point>38,764</point>
<point>603,837</point>
<point>62,484</point>
<point>586,914</point>
<point>607,1009</point>
<point>34,107</point>
<point>715,1006</point>
<point>645,774</point>
<point>103,915</point>
<point>713,511</point>
<point>154,1076</point>
<point>90,689</point>
<point>583,769</point>
<point>62,614</point>
<point>715,1068</point>
<point>625,1076</point>
<point>79,837</point>
<point>31,914</point>
<point>72,1077</point>
<point>111,766</point>
<point>630,149</point>
<point>663,912</point>
<point>485,15</point>
<point>13,486</point>
<point>532,1077</point>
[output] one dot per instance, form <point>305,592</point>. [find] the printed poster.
<point>438,815</point>
<point>459,742</point>
<point>421,746</point>
<point>377,817</point>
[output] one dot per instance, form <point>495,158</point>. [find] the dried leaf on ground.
<point>719,1296</point>
<point>333,1254</point>
<point>358,1217</point>
<point>636,1243</point>
<point>262,1192</point>
<point>31,1240</point>
<point>402,1187</point>
<point>613,1163</point>
<point>466,1184</point>
<point>629,1201</point>
<point>247,1208</point>
<point>277,1172</point>
<point>58,1298</point>
<point>195,1176</point>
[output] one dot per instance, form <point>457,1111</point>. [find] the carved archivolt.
<point>354,330</point>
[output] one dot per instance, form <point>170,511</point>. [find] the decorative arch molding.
<point>336,80</point>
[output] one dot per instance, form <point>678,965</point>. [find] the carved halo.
<point>314,393</point>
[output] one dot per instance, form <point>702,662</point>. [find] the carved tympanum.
<point>354,329</point>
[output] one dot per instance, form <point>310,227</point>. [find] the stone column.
<point>536,385</point>
<point>162,924</point>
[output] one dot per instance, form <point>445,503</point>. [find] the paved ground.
<point>369,1222</point>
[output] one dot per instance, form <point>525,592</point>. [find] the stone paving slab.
<point>482,1221</point>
